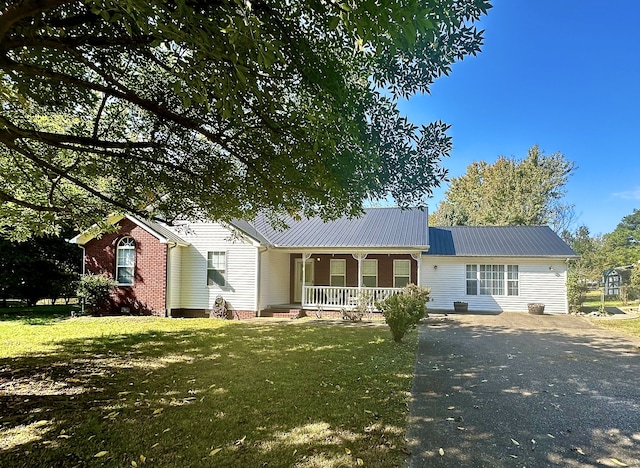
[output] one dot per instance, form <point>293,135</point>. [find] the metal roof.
<point>159,231</point>
<point>498,241</point>
<point>377,227</point>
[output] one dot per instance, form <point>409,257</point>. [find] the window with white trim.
<point>401,273</point>
<point>472,280</point>
<point>370,273</point>
<point>125,261</point>
<point>492,280</point>
<point>513,287</point>
<point>338,272</point>
<point>216,268</point>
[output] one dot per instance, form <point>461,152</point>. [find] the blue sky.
<point>563,74</point>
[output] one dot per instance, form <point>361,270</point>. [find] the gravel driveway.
<point>519,390</point>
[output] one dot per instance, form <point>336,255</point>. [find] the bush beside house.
<point>403,311</point>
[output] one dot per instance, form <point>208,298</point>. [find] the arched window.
<point>125,261</point>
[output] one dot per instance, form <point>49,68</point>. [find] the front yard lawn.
<point>133,391</point>
<point>628,327</point>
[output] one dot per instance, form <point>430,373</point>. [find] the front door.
<point>308,280</point>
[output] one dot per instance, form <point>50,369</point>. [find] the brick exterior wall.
<point>148,293</point>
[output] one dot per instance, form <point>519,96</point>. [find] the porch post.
<point>416,257</point>
<point>359,257</point>
<point>305,257</point>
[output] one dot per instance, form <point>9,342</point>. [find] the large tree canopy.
<point>190,108</point>
<point>529,191</point>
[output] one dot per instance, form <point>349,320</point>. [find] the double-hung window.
<point>370,273</point>
<point>472,280</point>
<point>216,268</point>
<point>401,273</point>
<point>512,280</point>
<point>492,280</point>
<point>338,272</point>
<point>125,261</point>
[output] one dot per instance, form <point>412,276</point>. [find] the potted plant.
<point>460,306</point>
<point>535,308</point>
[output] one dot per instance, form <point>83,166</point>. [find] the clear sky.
<point>563,74</point>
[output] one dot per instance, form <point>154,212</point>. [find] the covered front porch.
<point>336,281</point>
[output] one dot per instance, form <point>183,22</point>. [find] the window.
<point>216,268</point>
<point>512,280</point>
<point>125,261</point>
<point>370,273</point>
<point>338,272</point>
<point>490,280</point>
<point>472,280</point>
<point>401,273</point>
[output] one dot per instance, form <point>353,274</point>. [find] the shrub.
<point>403,311</point>
<point>364,305</point>
<point>576,291</point>
<point>94,290</point>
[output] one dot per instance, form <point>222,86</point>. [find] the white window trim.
<point>120,247</point>
<point>505,280</point>
<point>395,275</point>
<point>363,275</point>
<point>343,275</point>
<point>224,271</point>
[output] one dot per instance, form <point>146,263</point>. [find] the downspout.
<point>84,270</point>
<point>258,279</point>
<point>167,286</point>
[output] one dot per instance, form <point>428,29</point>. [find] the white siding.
<point>175,260</point>
<point>274,278</point>
<point>540,280</point>
<point>241,268</point>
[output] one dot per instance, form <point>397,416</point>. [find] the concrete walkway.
<point>518,390</point>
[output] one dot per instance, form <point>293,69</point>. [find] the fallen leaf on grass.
<point>451,419</point>
<point>100,454</point>
<point>515,442</point>
<point>551,436</point>
<point>441,452</point>
<point>158,411</point>
<point>451,407</point>
<point>214,451</point>
<point>347,451</point>
<point>513,456</point>
<point>134,464</point>
<point>618,462</point>
<point>360,462</point>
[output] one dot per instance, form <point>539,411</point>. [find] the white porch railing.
<point>337,297</point>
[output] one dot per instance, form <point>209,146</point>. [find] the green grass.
<point>629,327</point>
<point>593,298</point>
<point>146,391</point>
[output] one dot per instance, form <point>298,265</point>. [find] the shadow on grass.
<point>38,315</point>
<point>525,391</point>
<point>232,394</point>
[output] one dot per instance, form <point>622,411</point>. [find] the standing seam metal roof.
<point>377,227</point>
<point>518,241</point>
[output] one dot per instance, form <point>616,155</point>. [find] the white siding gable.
<point>241,268</point>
